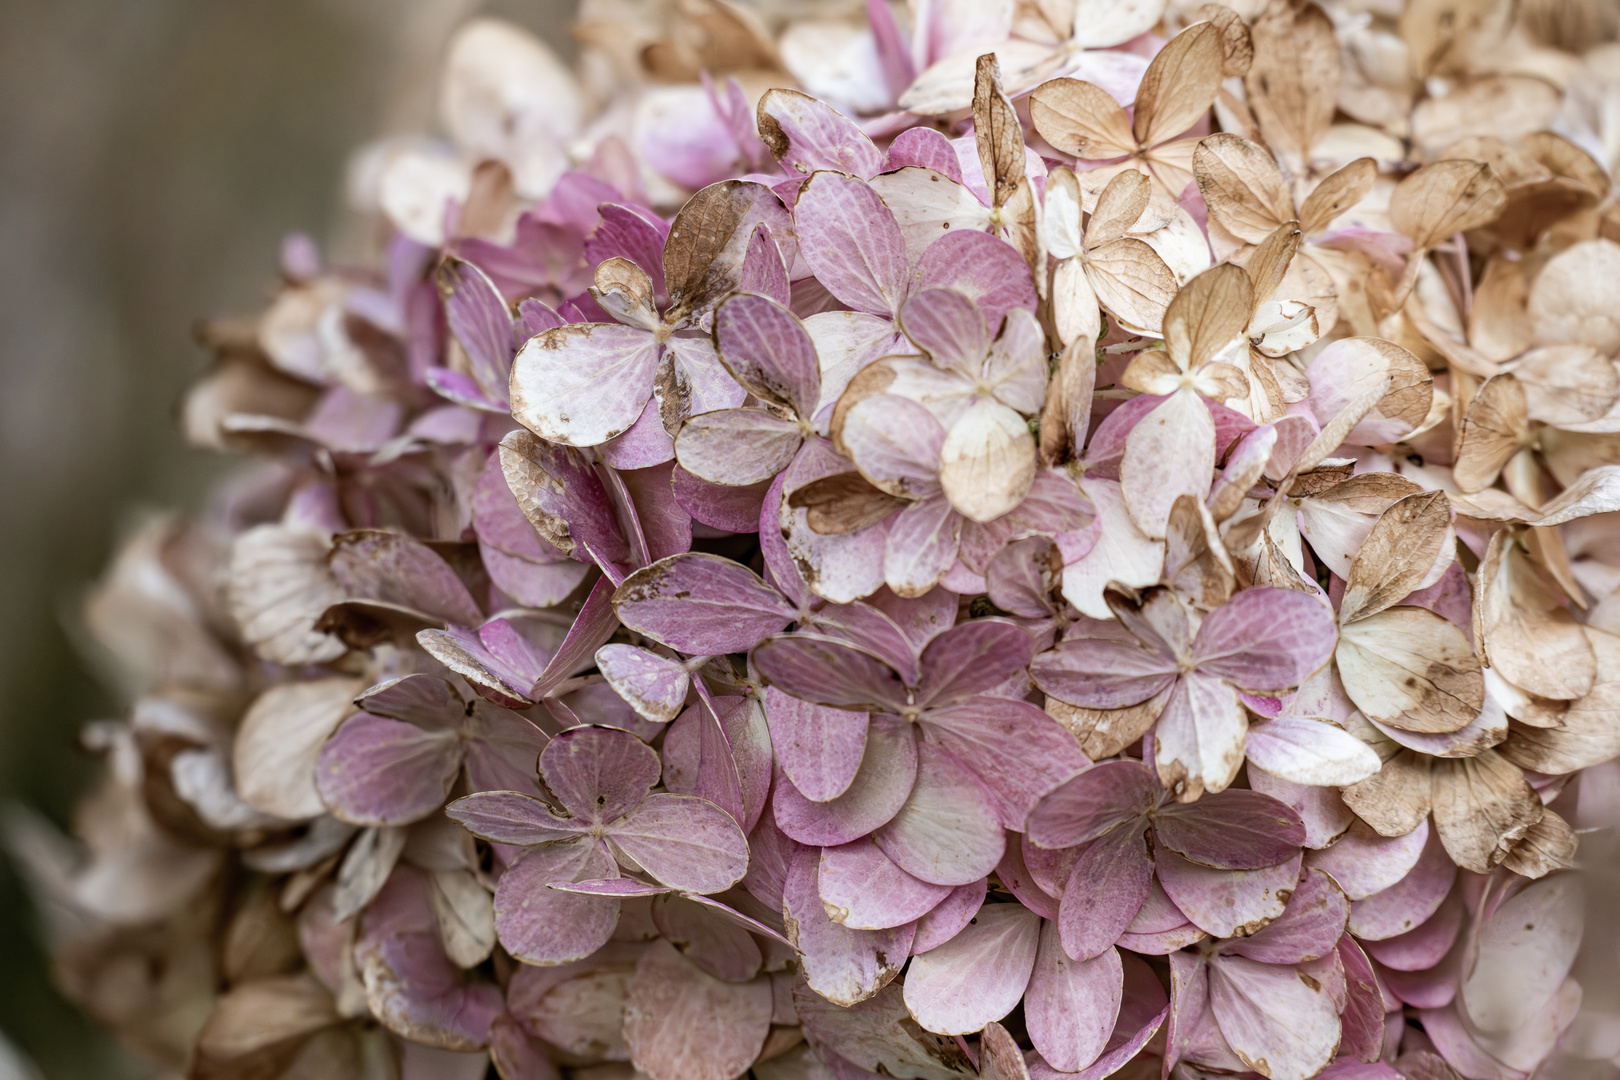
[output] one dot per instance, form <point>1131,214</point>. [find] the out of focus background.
<point>152,155</point>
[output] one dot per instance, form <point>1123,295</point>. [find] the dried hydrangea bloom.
<point>1078,539</point>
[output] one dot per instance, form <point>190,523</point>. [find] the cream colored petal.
<point>988,461</point>
<point>1409,668</point>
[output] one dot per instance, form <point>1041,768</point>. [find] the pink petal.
<point>1273,1020</point>
<point>1102,673</point>
<point>1423,946</point>
<point>1410,901</point>
<point>1231,830</point>
<point>1309,751</point>
<point>655,686</point>
<point>684,841</point>
<point>500,749</point>
<point>987,270</point>
<point>665,526</point>
<point>781,572</point>
<point>807,136</point>
<point>395,569</point>
<point>1169,453</point>
<point>863,889</point>
<point>701,604</point>
<point>921,547</point>
<point>713,942</point>
<point>924,148</point>
<point>510,817</point>
<point>769,351</point>
<point>546,926</point>
<point>375,771</point>
<point>621,888</point>
<point>1111,880</point>
<point>977,976</point>
<point>1363,863</point>
<point>819,748</point>
<point>1071,1006</point>
<point>411,985</point>
<point>683,1024</point>
<point>567,495</point>
<point>842,965</point>
<point>762,270</point>
<point>1108,794</point>
<point>974,658</point>
<point>948,832</point>
<point>480,320</point>
<point>646,442</point>
<point>881,786</point>
<point>878,1034</point>
<point>1266,639</point>
<point>1323,812</point>
<point>739,447</point>
<point>598,773</point>
<point>863,625</point>
<point>1015,876</point>
<point>581,385</point>
<point>895,442</point>
<point>592,628</point>
<point>1308,929</point>
<point>851,242</point>
<point>815,668</point>
<point>1226,903</point>
<point>947,326</point>
<point>949,917</point>
<point>1362,1018</point>
<point>1199,737</point>
<point>1019,751</point>
<point>422,700</point>
<point>1142,1012</point>
<point>719,506</point>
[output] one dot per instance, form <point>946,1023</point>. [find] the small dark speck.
<point>601,800</point>
<point>973,921</point>
<point>1529,926</point>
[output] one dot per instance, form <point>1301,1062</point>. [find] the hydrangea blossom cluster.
<point>1016,540</point>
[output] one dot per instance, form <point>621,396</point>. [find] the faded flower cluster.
<point>1026,540</point>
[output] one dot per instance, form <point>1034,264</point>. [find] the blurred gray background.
<point>152,155</point>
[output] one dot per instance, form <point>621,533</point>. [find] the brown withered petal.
<point>1080,118</point>
<point>256,1029</point>
<point>1590,732</point>
<point>1269,261</point>
<point>1180,84</point>
<point>1566,160</point>
<point>1444,198</point>
<point>843,503</point>
<point>1242,186</point>
<point>1208,312</point>
<point>1529,637</point>
<point>1424,1065</point>
<point>1409,668</point>
<point>1066,415</point>
<point>1493,430</point>
<point>1222,382</point>
<point>634,288</point>
<point>1482,807</point>
<point>1336,194</point>
<point>1567,384</point>
<point>708,240</point>
<point>1499,322</point>
<point>1399,554</point>
<point>1105,732</point>
<point>280,740</point>
<point>1549,845</point>
<point>1022,224</point>
<point>278,587</point>
<point>1118,208</point>
<point>1442,34</point>
<point>1196,563</point>
<point>1510,106</point>
<point>1147,369</point>
<point>1132,281</point>
<point>1396,799</point>
<point>1293,81</point>
<point>1237,47</point>
<point>996,131</point>
<point>872,379</point>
